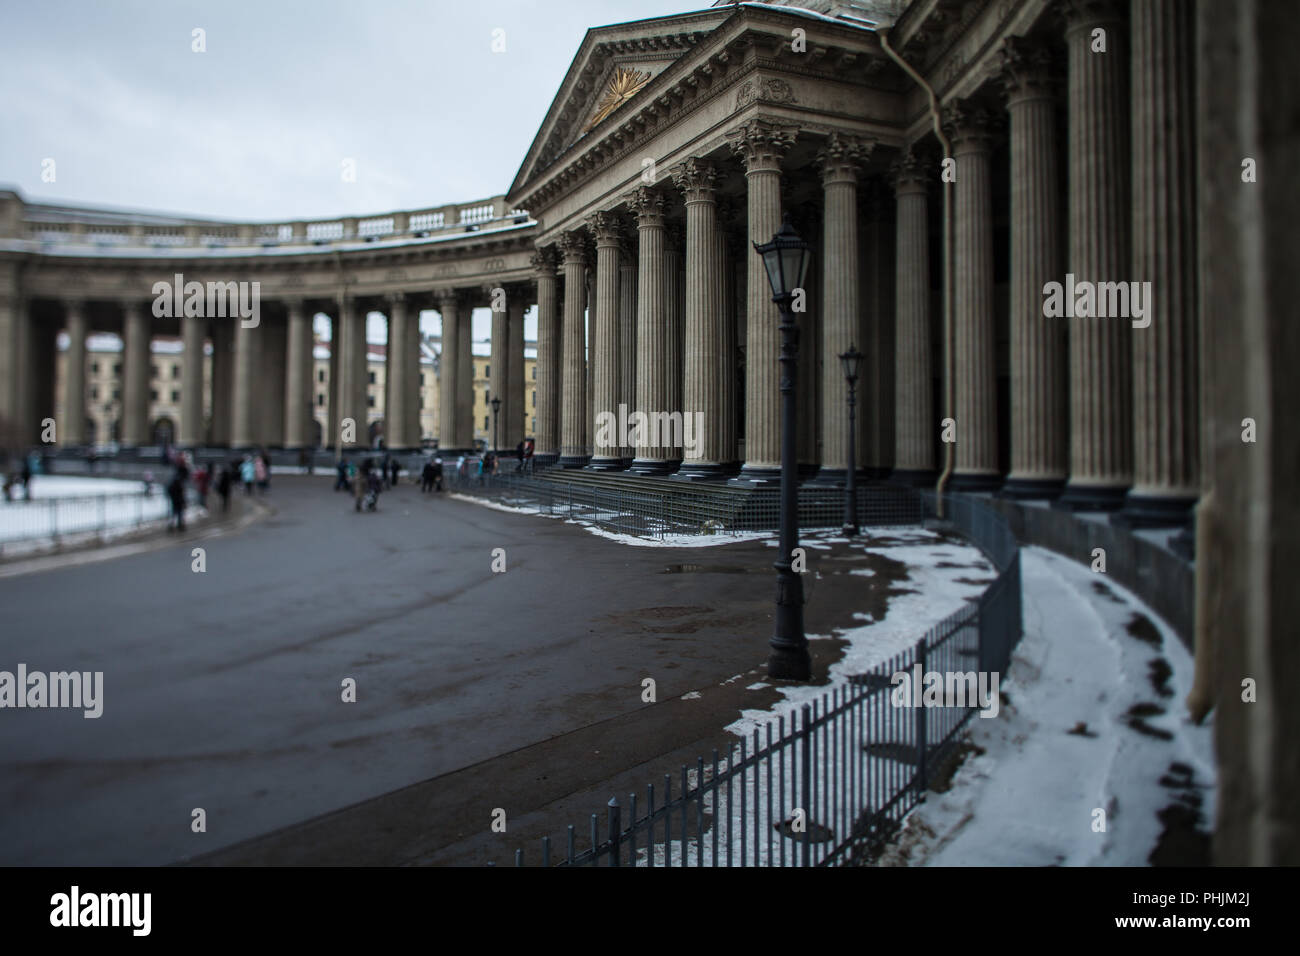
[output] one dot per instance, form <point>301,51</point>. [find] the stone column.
<point>465,374</point>
<point>332,386</point>
<point>412,392</point>
<point>498,372</point>
<point>449,370</point>
<point>242,427</point>
<point>573,411</point>
<point>1166,443</point>
<point>11,317</point>
<point>627,335</point>
<point>223,362</point>
<point>396,369</point>
<point>915,424</point>
<point>760,145</point>
<point>974,334</point>
<point>135,374</point>
<point>513,415</point>
<point>268,412</point>
<point>729,359</point>
<point>1101,361</point>
<point>674,301</point>
<point>1039,429</point>
<point>72,430</point>
<point>652,452</point>
<point>547,440</point>
<point>840,160</point>
<point>607,454</point>
<point>297,382</point>
<point>702,357</point>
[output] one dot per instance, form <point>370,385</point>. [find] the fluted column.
<point>547,440</point>
<point>465,375</point>
<point>627,335</point>
<point>1039,426</point>
<point>1101,362</point>
<point>605,372</point>
<point>915,425</point>
<point>760,145</point>
<point>448,370</point>
<point>135,374</point>
<point>652,453</point>
<point>573,413</point>
<point>395,370</point>
<point>297,378</point>
<point>513,416</point>
<point>727,379</point>
<point>840,160</point>
<point>72,430</point>
<point>499,373</point>
<point>269,407</point>
<point>675,306</point>
<point>1166,444</point>
<point>223,380</point>
<point>974,334</point>
<point>701,405</point>
<point>412,391</point>
<point>242,427</point>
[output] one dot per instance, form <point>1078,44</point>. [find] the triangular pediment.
<point>615,68</point>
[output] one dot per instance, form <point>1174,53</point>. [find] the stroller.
<point>373,486</point>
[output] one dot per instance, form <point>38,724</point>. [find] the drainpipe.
<point>883,33</point>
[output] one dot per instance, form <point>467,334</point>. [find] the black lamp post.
<point>496,413</point>
<point>851,361</point>
<point>786,260</point>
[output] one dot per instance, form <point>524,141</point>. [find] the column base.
<point>914,477</point>
<point>876,472</point>
<point>652,467</point>
<point>573,461</point>
<point>602,463</point>
<point>1029,489</point>
<point>974,481</point>
<point>699,471</point>
<point>545,459</point>
<point>1080,497</point>
<point>1154,511</point>
<point>756,477</point>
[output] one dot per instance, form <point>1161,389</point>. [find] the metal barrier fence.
<point>830,785</point>
<point>59,518</point>
<point>643,508</point>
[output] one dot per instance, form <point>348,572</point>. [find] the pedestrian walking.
<point>341,482</point>
<point>427,475</point>
<point>395,467</point>
<point>224,481</point>
<point>247,474</point>
<point>202,479</point>
<point>176,493</point>
<point>262,473</point>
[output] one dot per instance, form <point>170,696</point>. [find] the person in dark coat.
<point>394,467</point>
<point>427,475</point>
<point>176,493</point>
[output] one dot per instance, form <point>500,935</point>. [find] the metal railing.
<point>59,519</point>
<point>646,508</point>
<point>830,785</point>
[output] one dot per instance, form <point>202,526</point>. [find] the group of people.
<point>366,480</point>
<point>30,465</point>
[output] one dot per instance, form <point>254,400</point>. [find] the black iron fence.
<point>829,784</point>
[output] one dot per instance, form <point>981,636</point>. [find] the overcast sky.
<point>259,125</point>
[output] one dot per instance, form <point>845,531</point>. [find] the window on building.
<point>176,370</point>
<point>534,428</point>
<point>421,380</point>
<point>372,378</point>
<point>534,397</point>
<point>153,394</point>
<point>534,373</point>
<point>487,371</point>
<point>153,370</point>
<point>94,393</point>
<point>320,400</point>
<point>371,401</point>
<point>487,394</point>
<point>176,396</point>
<point>486,419</point>
<point>320,375</point>
<point>117,369</point>
<point>117,393</point>
<point>94,368</point>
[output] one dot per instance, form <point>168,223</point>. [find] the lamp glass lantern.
<point>851,362</point>
<point>786,259</point>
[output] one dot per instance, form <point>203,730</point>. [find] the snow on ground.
<point>942,576</point>
<point>1065,745</point>
<point>70,486</point>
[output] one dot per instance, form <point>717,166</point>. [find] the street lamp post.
<point>786,260</point>
<point>851,361</point>
<point>496,414</point>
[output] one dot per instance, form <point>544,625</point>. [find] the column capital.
<point>647,205</point>
<point>543,262</point>
<point>573,247</point>
<point>294,304</point>
<point>696,178</point>
<point>394,299</point>
<point>911,171</point>
<point>448,297</point>
<point>761,144</point>
<point>606,229</point>
<point>971,125</point>
<point>842,156</point>
<point>1027,69</point>
<point>1085,14</point>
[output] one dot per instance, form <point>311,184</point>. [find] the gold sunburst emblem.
<point>623,85</point>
